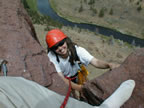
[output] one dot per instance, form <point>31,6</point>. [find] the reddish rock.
<point>98,89</point>
<point>26,57</point>
<point>20,47</point>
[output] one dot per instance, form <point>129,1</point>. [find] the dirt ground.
<point>121,15</point>
<point>99,46</point>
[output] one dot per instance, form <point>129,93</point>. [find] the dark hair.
<point>72,51</point>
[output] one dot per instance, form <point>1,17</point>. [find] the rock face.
<point>20,47</point>
<point>26,57</point>
<point>98,89</point>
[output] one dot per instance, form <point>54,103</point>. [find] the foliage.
<point>111,11</point>
<point>37,18</point>
<point>42,19</point>
<point>25,4</point>
<point>139,8</point>
<point>138,3</point>
<point>81,8</point>
<point>91,2</point>
<point>30,4</point>
<point>101,13</point>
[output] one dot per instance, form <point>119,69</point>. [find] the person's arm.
<point>102,64</point>
<point>74,85</point>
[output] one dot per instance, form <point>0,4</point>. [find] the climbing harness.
<point>82,77</point>
<point>3,66</point>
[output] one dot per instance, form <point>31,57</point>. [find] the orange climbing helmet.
<point>54,36</point>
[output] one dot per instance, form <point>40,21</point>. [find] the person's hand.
<point>112,65</point>
<point>79,87</point>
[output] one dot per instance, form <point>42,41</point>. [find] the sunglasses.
<point>55,47</point>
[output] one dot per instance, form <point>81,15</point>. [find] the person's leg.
<point>120,96</point>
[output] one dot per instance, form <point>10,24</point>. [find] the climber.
<point>69,58</point>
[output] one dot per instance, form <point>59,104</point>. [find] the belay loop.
<point>82,78</point>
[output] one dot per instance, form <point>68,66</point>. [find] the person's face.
<point>61,48</point>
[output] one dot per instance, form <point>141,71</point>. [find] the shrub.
<point>111,11</point>
<point>101,13</point>
<point>139,8</point>
<point>25,4</point>
<point>37,18</point>
<point>91,2</point>
<point>81,8</point>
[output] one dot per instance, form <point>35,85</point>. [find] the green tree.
<point>25,4</point>
<point>139,8</point>
<point>111,11</point>
<point>81,8</point>
<point>101,13</point>
<point>91,2</point>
